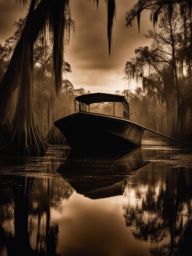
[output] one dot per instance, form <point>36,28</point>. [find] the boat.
<point>89,131</point>
<point>86,130</point>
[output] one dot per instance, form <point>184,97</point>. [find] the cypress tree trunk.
<point>26,136</point>
<point>12,77</point>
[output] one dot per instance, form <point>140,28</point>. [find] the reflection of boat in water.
<point>97,178</point>
<point>93,132</point>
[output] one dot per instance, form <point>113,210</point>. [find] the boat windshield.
<point>103,103</point>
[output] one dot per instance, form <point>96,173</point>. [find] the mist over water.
<point>135,204</point>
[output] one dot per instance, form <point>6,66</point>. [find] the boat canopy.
<point>100,97</point>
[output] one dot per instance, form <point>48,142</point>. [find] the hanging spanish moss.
<point>110,17</point>
<point>111,8</point>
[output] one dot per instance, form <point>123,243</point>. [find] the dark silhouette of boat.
<point>85,130</point>
<point>101,177</point>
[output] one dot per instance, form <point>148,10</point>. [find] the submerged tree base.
<point>31,143</point>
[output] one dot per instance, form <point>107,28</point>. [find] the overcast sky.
<point>92,67</point>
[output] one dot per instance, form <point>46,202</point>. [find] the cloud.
<point>88,51</point>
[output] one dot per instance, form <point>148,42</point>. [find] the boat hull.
<point>93,132</point>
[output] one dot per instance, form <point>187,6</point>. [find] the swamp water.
<point>136,204</point>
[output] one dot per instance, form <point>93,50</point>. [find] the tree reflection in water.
<point>25,224</point>
<point>26,202</point>
<point>162,209</point>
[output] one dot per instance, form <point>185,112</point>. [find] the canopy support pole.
<point>113,108</point>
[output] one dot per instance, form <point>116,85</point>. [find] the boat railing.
<point>82,107</point>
